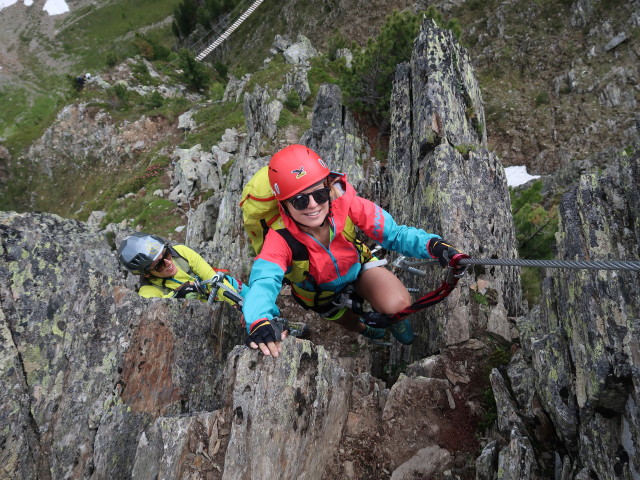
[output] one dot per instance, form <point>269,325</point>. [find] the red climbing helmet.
<point>293,169</point>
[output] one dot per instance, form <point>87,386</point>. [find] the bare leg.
<point>383,290</point>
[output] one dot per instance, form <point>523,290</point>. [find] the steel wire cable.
<point>571,264</point>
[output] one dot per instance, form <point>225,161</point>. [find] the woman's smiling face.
<point>165,264</point>
<point>315,213</point>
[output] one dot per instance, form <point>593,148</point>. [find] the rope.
<point>572,264</point>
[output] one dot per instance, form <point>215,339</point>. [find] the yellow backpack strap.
<point>299,256</point>
<point>349,232</point>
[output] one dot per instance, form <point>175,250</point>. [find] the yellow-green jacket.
<point>191,266</point>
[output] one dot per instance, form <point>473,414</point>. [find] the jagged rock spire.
<point>444,179</point>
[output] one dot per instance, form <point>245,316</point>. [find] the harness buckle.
<point>342,300</point>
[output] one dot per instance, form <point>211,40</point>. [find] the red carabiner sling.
<point>454,273</point>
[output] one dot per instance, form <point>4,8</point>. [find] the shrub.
<point>152,171</point>
<point>465,149</point>
<point>121,92</point>
<point>194,73</point>
<point>292,102</point>
<point>154,100</point>
<point>480,298</point>
<point>141,73</point>
<point>144,47</point>
<point>150,49</point>
<point>111,59</point>
<point>184,18</point>
<point>542,98</point>
<point>222,70</point>
<point>336,43</point>
<point>536,224</point>
<point>367,86</point>
<point>216,8</point>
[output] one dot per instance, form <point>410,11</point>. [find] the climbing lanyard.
<point>455,271</point>
<point>452,275</point>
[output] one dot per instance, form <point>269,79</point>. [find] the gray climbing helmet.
<point>138,251</point>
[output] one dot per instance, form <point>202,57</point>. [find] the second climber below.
<point>174,271</point>
<point>317,207</point>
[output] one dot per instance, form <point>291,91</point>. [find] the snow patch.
<point>518,175</point>
<point>6,3</point>
<point>56,7</point>
<point>52,7</point>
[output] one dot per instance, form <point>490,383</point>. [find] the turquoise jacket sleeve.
<point>380,226</point>
<point>264,286</point>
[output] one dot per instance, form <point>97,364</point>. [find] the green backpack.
<point>259,209</point>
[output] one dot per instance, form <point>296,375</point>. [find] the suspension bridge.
<point>240,13</point>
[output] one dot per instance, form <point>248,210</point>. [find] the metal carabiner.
<point>214,282</point>
<point>451,274</point>
<point>400,263</point>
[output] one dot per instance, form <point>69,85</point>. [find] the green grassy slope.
<point>83,41</point>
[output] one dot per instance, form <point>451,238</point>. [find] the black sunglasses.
<point>301,200</point>
<point>161,263</point>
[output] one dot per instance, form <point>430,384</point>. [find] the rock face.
<point>443,178</point>
<point>102,384</point>
<point>86,364</point>
<point>84,136</point>
<point>582,341</point>
<point>335,137</point>
<point>99,383</point>
<point>295,426</point>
